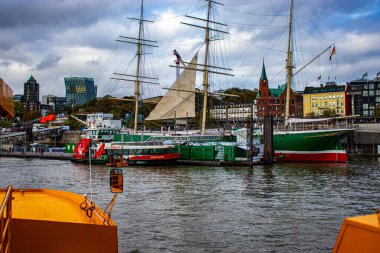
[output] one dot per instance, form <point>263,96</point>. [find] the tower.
<point>32,94</point>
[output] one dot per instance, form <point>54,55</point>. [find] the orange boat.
<point>359,234</point>
<point>43,220</point>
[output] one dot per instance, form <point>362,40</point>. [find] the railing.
<point>5,222</point>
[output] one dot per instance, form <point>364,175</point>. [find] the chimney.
<point>321,85</point>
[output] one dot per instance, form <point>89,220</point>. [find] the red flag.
<point>332,52</point>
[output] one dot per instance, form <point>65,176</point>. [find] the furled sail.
<point>179,101</point>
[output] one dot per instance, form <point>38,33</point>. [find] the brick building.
<point>271,101</point>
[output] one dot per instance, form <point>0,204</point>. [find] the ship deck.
<point>52,205</point>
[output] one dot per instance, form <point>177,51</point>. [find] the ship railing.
<point>300,127</point>
<point>5,222</point>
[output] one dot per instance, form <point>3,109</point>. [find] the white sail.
<point>179,101</point>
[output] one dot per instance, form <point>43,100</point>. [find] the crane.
<point>178,61</point>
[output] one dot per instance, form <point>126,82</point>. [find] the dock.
<point>46,155</point>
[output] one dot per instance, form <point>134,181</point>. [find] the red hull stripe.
<point>163,157</point>
<point>311,157</point>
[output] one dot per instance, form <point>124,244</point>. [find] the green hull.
<point>308,141</point>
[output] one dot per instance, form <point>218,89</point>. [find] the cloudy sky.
<point>53,39</point>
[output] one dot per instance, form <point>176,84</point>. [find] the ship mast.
<point>137,82</point>
<point>205,73</point>
<point>289,67</point>
<point>206,67</point>
<point>140,42</point>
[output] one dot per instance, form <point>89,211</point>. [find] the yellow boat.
<point>359,234</point>
<point>43,220</point>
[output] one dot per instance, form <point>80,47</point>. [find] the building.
<point>272,101</point>
<point>328,100</point>
<point>18,98</point>
<point>79,90</point>
<point>45,109</point>
<point>57,103</point>
<point>236,114</point>
<point>32,94</point>
<point>6,100</point>
<point>365,96</point>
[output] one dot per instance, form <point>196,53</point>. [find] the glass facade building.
<point>79,90</point>
<point>365,97</point>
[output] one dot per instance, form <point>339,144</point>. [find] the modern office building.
<point>79,90</point>
<point>365,96</point>
<point>18,98</point>
<point>32,94</point>
<point>328,100</point>
<point>57,103</point>
<point>272,101</point>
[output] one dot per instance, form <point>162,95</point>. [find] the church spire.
<point>263,73</point>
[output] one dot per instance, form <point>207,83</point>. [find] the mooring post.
<point>268,139</point>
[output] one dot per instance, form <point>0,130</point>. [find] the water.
<point>279,208</point>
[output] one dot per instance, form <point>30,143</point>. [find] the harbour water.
<point>279,208</point>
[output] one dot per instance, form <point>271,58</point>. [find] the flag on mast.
<point>365,75</point>
<point>319,77</point>
<point>332,52</point>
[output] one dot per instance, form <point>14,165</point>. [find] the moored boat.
<point>144,152</point>
<point>312,146</point>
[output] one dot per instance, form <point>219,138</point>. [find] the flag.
<point>319,77</point>
<point>378,73</point>
<point>365,75</point>
<point>332,52</point>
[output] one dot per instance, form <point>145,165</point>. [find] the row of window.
<point>320,112</point>
<point>370,86</point>
<point>327,97</point>
<point>370,93</point>
<point>327,103</point>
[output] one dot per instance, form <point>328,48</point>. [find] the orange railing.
<point>5,222</point>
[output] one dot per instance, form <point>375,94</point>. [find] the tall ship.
<point>316,145</point>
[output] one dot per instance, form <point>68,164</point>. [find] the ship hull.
<point>310,146</point>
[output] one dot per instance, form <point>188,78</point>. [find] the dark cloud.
<point>21,13</point>
<point>84,32</point>
<point>48,62</point>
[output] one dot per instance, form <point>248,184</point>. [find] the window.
<point>371,86</point>
<point>329,97</point>
<point>365,93</point>
<point>371,93</point>
<point>365,106</point>
<point>333,96</point>
<point>378,92</point>
<point>365,113</point>
<point>377,99</point>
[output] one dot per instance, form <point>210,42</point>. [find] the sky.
<point>53,39</point>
